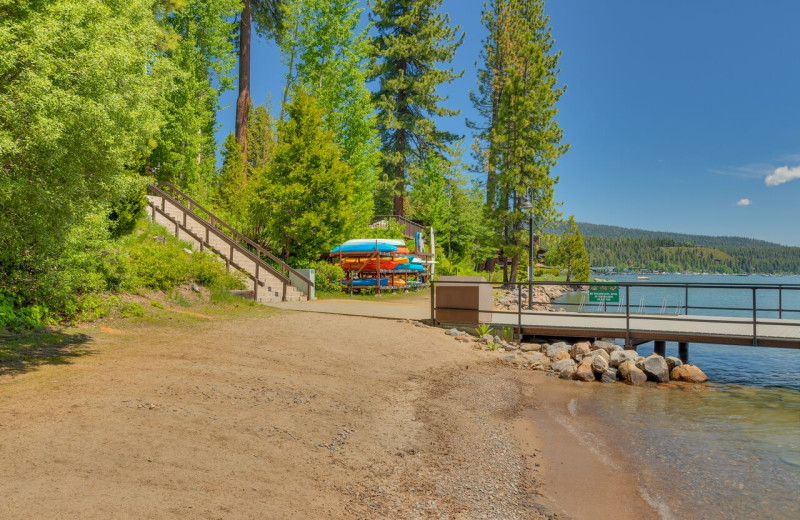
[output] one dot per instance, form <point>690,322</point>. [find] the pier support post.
<point>660,348</point>
<point>683,351</point>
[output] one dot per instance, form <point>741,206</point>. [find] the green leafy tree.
<point>304,199</point>
<point>261,139</point>
<point>412,40</point>
<point>326,54</point>
<point>442,198</point>
<point>80,82</point>
<point>199,49</point>
<point>570,252</point>
<point>518,141</point>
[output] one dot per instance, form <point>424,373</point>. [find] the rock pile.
<point>543,295</point>
<point>587,361</point>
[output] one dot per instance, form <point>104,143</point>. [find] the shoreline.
<point>309,422</point>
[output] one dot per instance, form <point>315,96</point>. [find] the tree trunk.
<point>243,101</point>
<point>514,268</point>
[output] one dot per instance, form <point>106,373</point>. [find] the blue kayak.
<point>370,282</point>
<point>410,266</point>
<point>364,248</point>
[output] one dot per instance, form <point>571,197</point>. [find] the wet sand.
<point>299,415</point>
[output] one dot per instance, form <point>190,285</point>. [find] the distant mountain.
<point>659,250</point>
<point>601,230</point>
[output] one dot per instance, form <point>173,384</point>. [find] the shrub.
<point>327,276</point>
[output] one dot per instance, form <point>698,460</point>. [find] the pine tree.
<point>260,139</point>
<point>327,55</point>
<point>519,140</point>
<point>304,199</point>
<point>268,18</point>
<point>412,40</point>
<point>231,181</point>
<point>570,253</point>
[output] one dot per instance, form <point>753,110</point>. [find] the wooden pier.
<point>755,329</point>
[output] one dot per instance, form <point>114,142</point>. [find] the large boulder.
<point>688,373</point>
<point>530,347</point>
<point>584,371</point>
<point>564,368</point>
<point>605,345</point>
<point>673,362</point>
<point>561,354</point>
<point>580,349</point>
<point>620,356</point>
<point>609,376</point>
<point>556,347</point>
<point>599,364</point>
<point>630,374</point>
<point>598,353</point>
<point>656,368</point>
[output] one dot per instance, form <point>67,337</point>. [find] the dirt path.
<point>299,415</point>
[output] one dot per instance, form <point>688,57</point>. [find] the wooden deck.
<point>690,329</point>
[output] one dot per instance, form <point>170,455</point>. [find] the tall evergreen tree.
<point>231,181</point>
<point>327,56</point>
<point>519,141</point>
<point>570,252</point>
<point>304,199</point>
<point>268,18</point>
<point>412,41</point>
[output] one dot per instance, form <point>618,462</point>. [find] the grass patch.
<point>386,296</point>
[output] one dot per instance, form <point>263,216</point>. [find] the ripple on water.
<point>728,452</point>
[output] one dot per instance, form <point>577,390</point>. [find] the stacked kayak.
<point>359,259</point>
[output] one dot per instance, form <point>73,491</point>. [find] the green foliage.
<point>507,334</point>
<point>230,185</point>
<point>570,253</point>
<point>412,40</point>
<point>16,317</point>
<point>442,198</point>
<point>327,277</point>
<point>162,266</point>
<point>81,80</point>
<point>304,197</point>
<point>327,55</point>
<point>483,329</point>
<point>518,140</point>
<point>200,58</point>
<point>128,207</point>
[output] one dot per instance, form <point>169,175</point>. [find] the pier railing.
<point>729,313</point>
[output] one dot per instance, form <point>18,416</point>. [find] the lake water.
<point>730,450</point>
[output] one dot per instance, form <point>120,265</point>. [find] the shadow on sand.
<point>25,351</point>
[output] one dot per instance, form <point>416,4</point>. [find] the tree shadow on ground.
<point>23,352</point>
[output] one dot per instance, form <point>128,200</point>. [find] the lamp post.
<point>528,205</point>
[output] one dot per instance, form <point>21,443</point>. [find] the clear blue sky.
<point>680,113</point>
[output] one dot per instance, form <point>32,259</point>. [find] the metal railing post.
<point>627,316</point>
<point>519,310</point>
<point>780,302</point>
<point>755,319</point>
<point>433,303</point>
<point>686,300</point>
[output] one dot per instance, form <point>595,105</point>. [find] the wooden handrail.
<point>214,219</point>
<point>258,261</point>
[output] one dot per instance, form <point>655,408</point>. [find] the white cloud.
<point>744,202</point>
<point>782,175</point>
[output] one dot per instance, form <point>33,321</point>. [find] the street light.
<point>528,206</point>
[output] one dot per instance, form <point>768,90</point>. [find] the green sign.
<point>603,292</point>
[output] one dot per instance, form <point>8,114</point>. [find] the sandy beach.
<point>297,415</point>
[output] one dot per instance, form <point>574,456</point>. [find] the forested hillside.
<point>652,250</point>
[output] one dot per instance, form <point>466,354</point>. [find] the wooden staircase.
<point>272,279</point>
